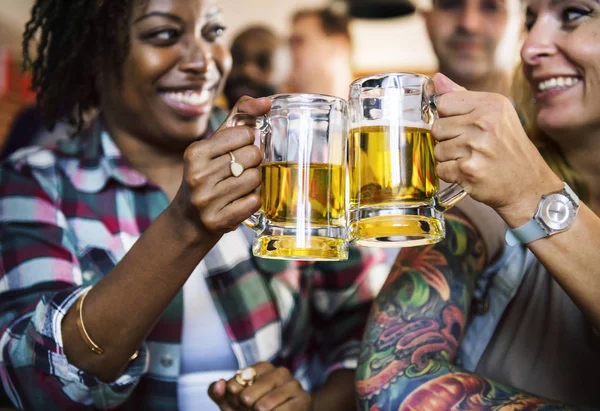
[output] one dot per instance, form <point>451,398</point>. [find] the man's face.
<point>253,67</point>
<point>309,45</point>
<point>253,58</point>
<point>466,34</point>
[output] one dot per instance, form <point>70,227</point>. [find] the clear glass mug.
<point>395,198</point>
<point>304,179</point>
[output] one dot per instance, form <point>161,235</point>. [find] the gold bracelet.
<point>86,337</point>
<point>82,331</point>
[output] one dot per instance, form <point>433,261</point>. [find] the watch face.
<point>557,212</point>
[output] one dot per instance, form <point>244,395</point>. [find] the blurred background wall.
<point>380,45</point>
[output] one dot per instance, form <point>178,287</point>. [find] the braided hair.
<point>77,43</point>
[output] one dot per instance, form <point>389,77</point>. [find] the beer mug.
<point>395,197</point>
<point>304,173</point>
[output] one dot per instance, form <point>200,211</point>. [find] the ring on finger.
<point>245,377</point>
<point>236,168</point>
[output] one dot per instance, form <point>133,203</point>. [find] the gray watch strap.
<point>572,194</point>
<point>527,233</point>
<point>533,230</point>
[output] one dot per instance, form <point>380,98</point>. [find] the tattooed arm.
<point>415,327</point>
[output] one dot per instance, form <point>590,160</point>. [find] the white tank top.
<point>206,354</point>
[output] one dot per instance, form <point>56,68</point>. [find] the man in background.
<point>254,69</point>
<point>476,41</point>
<point>321,51</point>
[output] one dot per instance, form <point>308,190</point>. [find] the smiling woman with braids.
<point>125,278</point>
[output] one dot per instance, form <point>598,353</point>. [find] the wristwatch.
<point>555,213</point>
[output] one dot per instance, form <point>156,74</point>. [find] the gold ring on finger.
<point>245,377</point>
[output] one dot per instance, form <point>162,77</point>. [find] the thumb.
<point>245,112</point>
<point>216,392</point>
<point>444,85</point>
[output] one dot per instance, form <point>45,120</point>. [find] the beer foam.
<point>400,123</point>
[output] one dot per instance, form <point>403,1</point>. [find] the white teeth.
<point>190,98</point>
<point>556,82</point>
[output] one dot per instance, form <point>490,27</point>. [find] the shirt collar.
<point>96,159</point>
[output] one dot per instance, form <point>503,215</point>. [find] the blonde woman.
<point>455,329</point>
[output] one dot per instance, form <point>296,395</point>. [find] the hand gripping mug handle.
<point>453,194</point>
<point>261,124</point>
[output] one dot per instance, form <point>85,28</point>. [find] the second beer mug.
<point>394,192</point>
<point>303,190</point>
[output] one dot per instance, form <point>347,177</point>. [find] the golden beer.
<point>391,167</point>
<point>311,197</point>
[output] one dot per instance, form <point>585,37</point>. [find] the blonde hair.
<point>523,97</point>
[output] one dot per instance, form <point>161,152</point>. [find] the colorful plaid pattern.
<point>69,214</point>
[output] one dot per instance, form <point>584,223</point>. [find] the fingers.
<point>459,172</point>
<point>267,385</point>
<point>448,128</point>
<point>219,169</point>
<point>233,387</point>
<point>262,368</point>
<point>216,392</point>
<point>301,403</point>
<point>223,141</point>
<point>452,99</point>
<point>230,216</point>
<point>246,110</point>
<point>214,198</point>
<point>448,171</point>
<point>254,106</point>
<point>452,149</point>
<point>281,397</point>
<point>221,201</point>
<point>456,103</point>
<point>444,85</point>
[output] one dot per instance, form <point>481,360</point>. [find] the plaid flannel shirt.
<point>69,214</point>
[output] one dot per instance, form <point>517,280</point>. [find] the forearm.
<point>123,307</point>
<point>572,257</point>
<point>418,319</point>
<point>442,387</point>
<point>337,393</point>
<point>407,357</point>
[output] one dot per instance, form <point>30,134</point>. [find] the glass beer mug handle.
<point>449,197</point>
<point>452,195</point>
<point>261,124</point>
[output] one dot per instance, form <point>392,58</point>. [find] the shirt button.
<point>88,275</point>
<point>166,360</point>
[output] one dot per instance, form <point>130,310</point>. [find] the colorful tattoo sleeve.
<point>415,327</point>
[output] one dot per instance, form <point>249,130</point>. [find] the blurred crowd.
<point>117,196</point>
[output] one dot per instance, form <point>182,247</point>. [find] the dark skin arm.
<point>122,308</point>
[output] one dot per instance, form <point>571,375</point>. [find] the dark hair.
<point>333,23</point>
<point>252,33</point>
<point>79,42</point>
